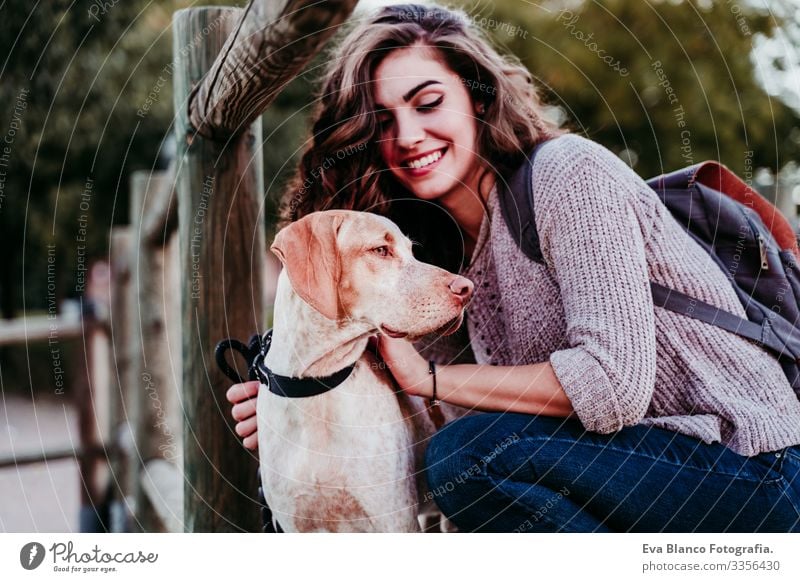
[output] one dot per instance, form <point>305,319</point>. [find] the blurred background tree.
<point>94,81</point>
<point>662,83</point>
<point>678,84</point>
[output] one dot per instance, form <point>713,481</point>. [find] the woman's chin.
<point>431,187</point>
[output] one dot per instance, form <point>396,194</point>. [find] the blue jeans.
<point>509,472</point>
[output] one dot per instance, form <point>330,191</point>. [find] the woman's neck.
<point>467,207</point>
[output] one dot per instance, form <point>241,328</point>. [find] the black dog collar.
<point>255,353</point>
<point>303,387</point>
<point>295,387</point>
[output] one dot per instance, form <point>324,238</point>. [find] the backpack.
<point>729,220</point>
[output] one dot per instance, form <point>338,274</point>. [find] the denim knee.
<point>453,460</point>
<point>448,450</point>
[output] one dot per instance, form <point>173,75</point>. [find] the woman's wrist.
<point>430,387</point>
<point>432,373</point>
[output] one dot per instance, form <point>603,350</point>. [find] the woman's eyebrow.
<point>407,97</point>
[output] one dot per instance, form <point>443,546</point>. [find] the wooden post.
<point>220,186</point>
<point>270,45</point>
<point>161,220</point>
<point>89,385</point>
<point>157,433</point>
<point>120,513</point>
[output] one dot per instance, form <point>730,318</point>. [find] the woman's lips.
<point>415,172</point>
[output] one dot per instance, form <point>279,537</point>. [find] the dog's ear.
<point>309,253</point>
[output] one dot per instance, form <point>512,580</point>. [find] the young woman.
<point>602,412</point>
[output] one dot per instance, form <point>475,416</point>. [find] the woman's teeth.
<point>426,161</point>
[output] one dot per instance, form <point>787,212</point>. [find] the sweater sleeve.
<point>592,241</point>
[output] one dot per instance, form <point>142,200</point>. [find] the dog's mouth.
<point>391,332</point>
<point>451,326</point>
<point>448,328</point>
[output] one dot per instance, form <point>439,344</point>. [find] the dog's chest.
<point>337,453</point>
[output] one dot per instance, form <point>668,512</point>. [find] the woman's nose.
<point>409,131</point>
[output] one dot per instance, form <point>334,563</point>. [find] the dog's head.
<point>359,265</point>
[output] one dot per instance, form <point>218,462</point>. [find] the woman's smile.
<point>418,166</point>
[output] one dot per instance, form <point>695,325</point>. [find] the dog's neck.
<point>307,344</point>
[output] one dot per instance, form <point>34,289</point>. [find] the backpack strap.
<point>517,207</point>
<point>516,204</point>
<point>683,304</point>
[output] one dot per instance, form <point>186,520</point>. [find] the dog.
<point>349,459</point>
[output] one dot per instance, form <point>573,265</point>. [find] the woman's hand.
<point>410,370</point>
<point>243,399</point>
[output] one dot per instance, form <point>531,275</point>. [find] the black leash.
<point>250,353</point>
<point>254,354</point>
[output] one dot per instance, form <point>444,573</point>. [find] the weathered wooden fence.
<point>85,378</point>
<point>155,354</point>
<point>187,272</point>
<point>223,83</point>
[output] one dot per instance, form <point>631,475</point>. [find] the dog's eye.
<point>382,251</point>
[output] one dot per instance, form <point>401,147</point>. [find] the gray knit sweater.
<point>588,311</point>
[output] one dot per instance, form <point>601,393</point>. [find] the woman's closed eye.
<point>431,105</point>
<point>385,122</point>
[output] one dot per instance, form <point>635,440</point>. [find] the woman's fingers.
<point>244,410</point>
<point>239,392</point>
<point>246,427</point>
<point>243,398</point>
<point>409,369</point>
<point>251,442</point>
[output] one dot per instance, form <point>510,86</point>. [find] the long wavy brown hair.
<point>341,166</point>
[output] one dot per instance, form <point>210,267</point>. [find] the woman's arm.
<point>532,389</point>
<point>592,240</point>
<point>593,227</point>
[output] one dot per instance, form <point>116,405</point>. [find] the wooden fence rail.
<point>175,462</point>
<point>268,46</point>
<point>39,328</point>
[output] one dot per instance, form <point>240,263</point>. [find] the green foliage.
<point>96,85</point>
<point>96,81</point>
<point>671,82</point>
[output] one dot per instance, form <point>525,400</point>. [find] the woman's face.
<point>428,127</point>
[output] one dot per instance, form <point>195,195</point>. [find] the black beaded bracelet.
<point>432,371</point>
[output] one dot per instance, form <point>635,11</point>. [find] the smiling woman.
<point>444,93</point>
<point>594,399</point>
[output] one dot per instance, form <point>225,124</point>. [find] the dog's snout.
<point>461,288</point>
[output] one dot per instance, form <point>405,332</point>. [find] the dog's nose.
<point>461,288</point>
